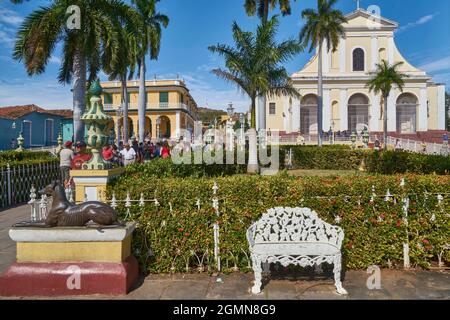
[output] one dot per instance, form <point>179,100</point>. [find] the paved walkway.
<point>395,284</point>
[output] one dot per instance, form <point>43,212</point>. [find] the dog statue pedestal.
<point>71,261</point>
<point>90,185</point>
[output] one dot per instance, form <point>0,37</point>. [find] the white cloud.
<point>6,38</point>
<point>55,59</point>
<point>44,93</point>
<point>206,95</point>
<point>419,22</point>
<point>11,17</point>
<point>437,66</point>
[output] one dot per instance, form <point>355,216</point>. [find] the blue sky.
<point>423,39</point>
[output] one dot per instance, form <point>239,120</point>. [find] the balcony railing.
<point>154,106</point>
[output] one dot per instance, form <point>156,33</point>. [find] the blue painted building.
<point>39,127</point>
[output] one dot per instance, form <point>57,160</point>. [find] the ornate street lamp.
<point>353,139</point>
<point>230,110</point>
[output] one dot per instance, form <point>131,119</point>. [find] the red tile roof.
<point>14,112</point>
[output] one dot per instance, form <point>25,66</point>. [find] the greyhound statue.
<point>65,214</point>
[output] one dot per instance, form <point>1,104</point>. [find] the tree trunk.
<point>252,167</point>
<point>253,113</point>
<point>266,11</point>
<point>125,108</point>
<point>385,121</point>
<point>142,103</point>
<point>320,98</point>
<point>79,94</point>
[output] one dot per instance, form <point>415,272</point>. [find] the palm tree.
<point>83,48</point>
<point>323,25</point>
<point>123,69</point>
<point>254,65</point>
<point>262,7</point>
<point>384,78</point>
<point>150,23</point>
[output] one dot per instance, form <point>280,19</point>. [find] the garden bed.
<point>176,235</point>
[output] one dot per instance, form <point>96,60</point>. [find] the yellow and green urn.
<point>96,122</point>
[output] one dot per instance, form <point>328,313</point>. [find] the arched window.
<point>406,113</point>
<point>358,112</point>
<point>358,59</point>
<point>308,114</point>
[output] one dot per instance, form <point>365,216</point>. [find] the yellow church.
<point>418,112</point>
<point>170,108</point>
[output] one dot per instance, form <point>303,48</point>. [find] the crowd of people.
<point>72,156</point>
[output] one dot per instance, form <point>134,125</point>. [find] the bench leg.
<point>257,269</point>
<point>337,275</point>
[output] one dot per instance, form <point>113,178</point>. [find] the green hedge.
<point>181,239</point>
<point>163,168</point>
<point>389,162</point>
<point>392,162</point>
<point>326,158</point>
<point>25,157</point>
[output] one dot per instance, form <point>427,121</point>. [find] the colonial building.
<point>39,127</point>
<point>170,107</point>
<point>417,112</point>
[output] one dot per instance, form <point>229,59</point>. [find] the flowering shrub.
<point>177,236</point>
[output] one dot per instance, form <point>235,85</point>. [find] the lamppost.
<point>230,110</point>
<point>353,139</point>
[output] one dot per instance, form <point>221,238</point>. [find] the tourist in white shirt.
<point>128,155</point>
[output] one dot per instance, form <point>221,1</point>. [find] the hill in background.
<point>207,115</point>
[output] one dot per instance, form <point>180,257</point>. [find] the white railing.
<point>153,106</point>
<point>419,147</point>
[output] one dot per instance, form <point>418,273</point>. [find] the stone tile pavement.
<point>395,284</point>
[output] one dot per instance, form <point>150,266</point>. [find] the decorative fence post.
<point>215,204</point>
<point>43,207</point>
<point>405,208</point>
<point>32,202</point>
<point>8,181</point>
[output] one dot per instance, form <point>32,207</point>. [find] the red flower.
<point>180,229</point>
<point>382,216</point>
<point>187,234</point>
<point>399,223</point>
<point>425,241</point>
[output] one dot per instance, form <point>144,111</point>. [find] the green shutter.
<point>107,98</point>
<point>163,97</point>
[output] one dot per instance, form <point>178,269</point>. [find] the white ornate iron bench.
<point>294,236</point>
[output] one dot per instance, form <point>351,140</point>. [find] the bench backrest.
<point>288,225</point>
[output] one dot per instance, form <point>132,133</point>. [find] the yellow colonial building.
<point>417,112</point>
<point>170,108</point>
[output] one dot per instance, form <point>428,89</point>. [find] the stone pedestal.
<point>70,262</point>
<point>90,185</point>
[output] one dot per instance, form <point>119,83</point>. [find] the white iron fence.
<point>16,181</point>
<point>419,147</point>
<point>41,207</point>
